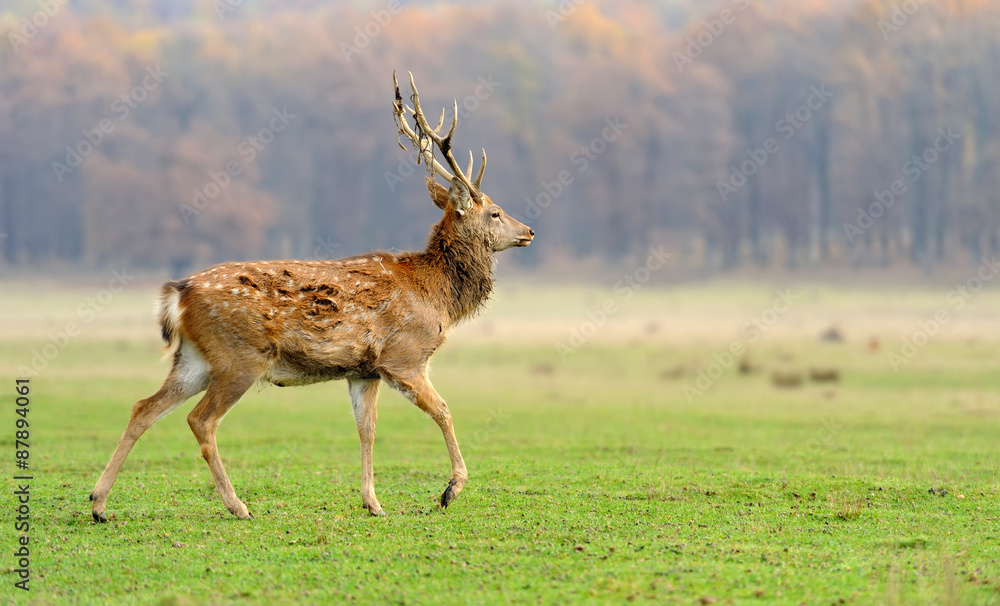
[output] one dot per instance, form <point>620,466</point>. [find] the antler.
<point>424,135</point>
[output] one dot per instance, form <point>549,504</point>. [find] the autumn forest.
<point>786,134</point>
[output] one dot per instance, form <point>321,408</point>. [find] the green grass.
<point>593,479</point>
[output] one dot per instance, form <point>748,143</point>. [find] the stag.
<point>369,318</point>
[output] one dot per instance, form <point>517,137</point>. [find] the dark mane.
<point>465,265</point>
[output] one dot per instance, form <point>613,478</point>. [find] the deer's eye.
<point>496,215</point>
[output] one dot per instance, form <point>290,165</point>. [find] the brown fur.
<point>377,316</point>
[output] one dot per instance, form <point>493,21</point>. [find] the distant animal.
<point>746,367</point>
<point>370,318</point>
<point>831,335</point>
<point>824,375</point>
<point>786,378</point>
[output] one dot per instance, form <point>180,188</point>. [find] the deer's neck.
<point>464,267</point>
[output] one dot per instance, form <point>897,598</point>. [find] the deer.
<point>371,318</point>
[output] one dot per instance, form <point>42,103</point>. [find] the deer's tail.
<point>168,309</point>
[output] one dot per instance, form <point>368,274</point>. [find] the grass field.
<point>594,477</point>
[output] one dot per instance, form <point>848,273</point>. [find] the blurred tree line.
<point>789,133</point>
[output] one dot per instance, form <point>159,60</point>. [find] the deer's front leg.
<point>418,389</point>
<point>364,401</point>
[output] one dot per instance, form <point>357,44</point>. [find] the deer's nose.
<point>532,232</point>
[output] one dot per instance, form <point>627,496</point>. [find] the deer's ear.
<point>438,193</point>
<point>458,196</point>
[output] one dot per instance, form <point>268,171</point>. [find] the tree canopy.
<point>174,134</point>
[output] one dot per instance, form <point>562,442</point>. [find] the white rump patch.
<point>192,369</point>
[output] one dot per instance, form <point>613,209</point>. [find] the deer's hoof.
<point>240,511</point>
<point>99,517</point>
<point>449,494</point>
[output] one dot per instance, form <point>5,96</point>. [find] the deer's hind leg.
<point>188,376</point>
<point>223,393</point>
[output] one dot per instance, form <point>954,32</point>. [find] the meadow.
<point>597,474</point>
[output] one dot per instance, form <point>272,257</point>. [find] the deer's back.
<point>300,322</point>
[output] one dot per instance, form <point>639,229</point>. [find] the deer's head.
<point>479,220</point>
<point>471,212</point>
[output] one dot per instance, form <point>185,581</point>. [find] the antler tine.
<point>454,121</point>
<point>418,112</point>
<point>482,169</point>
<point>443,143</point>
<point>397,110</point>
<point>468,172</point>
<point>440,122</point>
<point>420,144</point>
